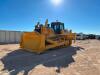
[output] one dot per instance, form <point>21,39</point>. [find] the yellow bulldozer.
<point>46,37</point>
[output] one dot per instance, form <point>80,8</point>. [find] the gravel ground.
<point>82,58</point>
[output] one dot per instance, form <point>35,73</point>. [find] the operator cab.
<point>57,27</point>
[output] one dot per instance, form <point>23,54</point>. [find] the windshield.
<point>57,26</point>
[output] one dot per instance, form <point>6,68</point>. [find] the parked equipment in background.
<point>47,36</point>
<point>81,36</point>
<point>91,36</point>
<point>98,37</point>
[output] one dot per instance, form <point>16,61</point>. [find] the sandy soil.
<point>82,58</point>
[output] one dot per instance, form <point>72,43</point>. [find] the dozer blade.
<point>33,42</point>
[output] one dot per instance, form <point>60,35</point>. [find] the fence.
<point>10,36</point>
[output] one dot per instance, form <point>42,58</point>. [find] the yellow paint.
<point>40,42</point>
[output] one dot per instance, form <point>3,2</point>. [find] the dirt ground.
<point>82,58</point>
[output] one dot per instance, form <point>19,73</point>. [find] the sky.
<point>78,15</point>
